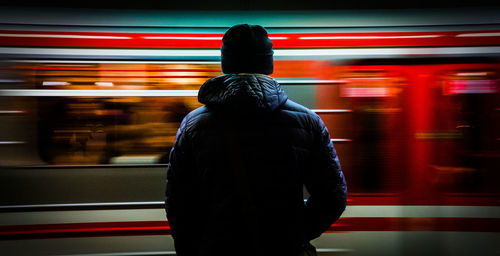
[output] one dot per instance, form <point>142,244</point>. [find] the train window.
<point>465,159</point>
<point>373,160</point>
<point>110,130</point>
<point>89,113</point>
<point>83,118</point>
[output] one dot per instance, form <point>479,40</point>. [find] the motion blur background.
<point>93,92</point>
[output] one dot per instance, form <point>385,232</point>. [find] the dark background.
<point>252,4</point>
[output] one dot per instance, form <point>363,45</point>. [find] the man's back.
<point>238,167</point>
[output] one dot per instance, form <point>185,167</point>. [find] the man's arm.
<point>326,185</point>
<point>181,197</point>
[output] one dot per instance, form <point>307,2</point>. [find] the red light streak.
<point>213,40</point>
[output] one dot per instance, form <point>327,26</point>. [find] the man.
<point>239,163</point>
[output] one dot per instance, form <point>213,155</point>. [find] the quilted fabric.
<point>238,168</point>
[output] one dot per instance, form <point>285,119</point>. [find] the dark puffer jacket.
<point>237,170</point>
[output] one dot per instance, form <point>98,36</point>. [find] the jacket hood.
<point>242,92</point>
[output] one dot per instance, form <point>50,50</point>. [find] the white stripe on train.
<point>399,51</point>
<point>71,216</point>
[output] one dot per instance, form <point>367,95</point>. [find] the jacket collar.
<point>256,92</point>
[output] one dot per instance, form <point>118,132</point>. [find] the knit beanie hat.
<point>247,49</point>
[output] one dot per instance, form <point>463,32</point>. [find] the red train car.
<point>90,109</point>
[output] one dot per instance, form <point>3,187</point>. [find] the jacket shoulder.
<point>304,114</point>
<point>296,108</point>
<point>191,119</point>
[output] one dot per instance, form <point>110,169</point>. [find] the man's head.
<point>247,49</point>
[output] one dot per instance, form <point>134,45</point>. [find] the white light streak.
<point>387,51</point>
<point>403,51</point>
<point>478,34</point>
<point>106,84</point>
<point>472,74</point>
<point>65,36</point>
<point>357,211</point>
<point>333,250</point>
<point>110,52</point>
<point>54,83</point>
<point>340,140</point>
<point>100,93</point>
<point>114,62</point>
<point>203,37</point>
<point>331,110</point>
<point>102,215</point>
<point>426,211</point>
<point>135,159</point>
<point>12,111</point>
<point>278,37</point>
<point>10,81</point>
<point>140,253</point>
<point>31,206</point>
<point>365,37</point>
<point>11,142</point>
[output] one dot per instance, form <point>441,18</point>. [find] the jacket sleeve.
<point>181,202</point>
<point>326,185</point>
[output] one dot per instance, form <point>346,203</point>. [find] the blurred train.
<point>90,103</point>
